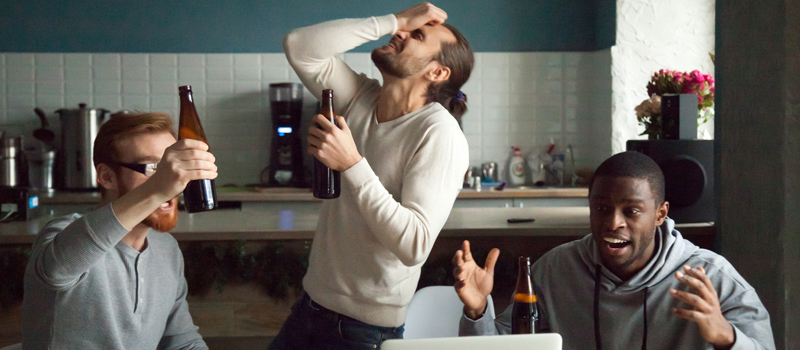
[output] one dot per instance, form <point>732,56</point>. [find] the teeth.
<point>613,240</point>
<point>165,205</point>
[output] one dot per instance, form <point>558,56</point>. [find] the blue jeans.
<point>311,326</point>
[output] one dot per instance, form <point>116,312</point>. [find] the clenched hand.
<point>418,16</point>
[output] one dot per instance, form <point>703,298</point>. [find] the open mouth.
<point>616,243</point>
<point>168,205</point>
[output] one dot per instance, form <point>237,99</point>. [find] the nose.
<point>616,221</point>
<point>401,35</point>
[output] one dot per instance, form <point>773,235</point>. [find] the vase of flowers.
<point>665,81</point>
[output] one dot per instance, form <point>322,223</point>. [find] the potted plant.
<point>665,81</point>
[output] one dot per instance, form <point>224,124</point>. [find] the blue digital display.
<point>33,202</point>
<point>283,130</point>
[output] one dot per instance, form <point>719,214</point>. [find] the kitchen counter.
<point>250,194</point>
<point>232,224</point>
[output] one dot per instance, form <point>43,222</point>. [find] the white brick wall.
<point>519,99</point>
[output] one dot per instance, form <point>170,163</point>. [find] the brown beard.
<point>392,65</point>
<point>158,220</point>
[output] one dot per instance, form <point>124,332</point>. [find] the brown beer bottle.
<point>525,314</point>
<point>327,182</point>
<point>199,195</point>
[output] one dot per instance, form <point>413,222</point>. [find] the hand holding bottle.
<point>332,144</point>
<point>184,161</point>
<point>473,283</point>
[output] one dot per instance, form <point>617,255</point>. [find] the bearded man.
<point>402,159</point>
<point>113,279</point>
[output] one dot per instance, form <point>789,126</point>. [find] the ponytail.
<point>459,58</point>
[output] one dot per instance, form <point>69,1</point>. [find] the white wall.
<point>521,99</point>
<point>653,35</point>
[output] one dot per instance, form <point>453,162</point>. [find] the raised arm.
<point>64,251</point>
<point>312,51</point>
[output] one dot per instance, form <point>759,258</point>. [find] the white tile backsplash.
<point>515,99</point>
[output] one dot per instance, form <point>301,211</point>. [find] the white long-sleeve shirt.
<point>371,242</point>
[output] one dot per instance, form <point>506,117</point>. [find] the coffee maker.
<point>286,155</point>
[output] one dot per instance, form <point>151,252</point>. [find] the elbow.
<point>413,259</point>
<point>418,251</point>
<point>290,42</point>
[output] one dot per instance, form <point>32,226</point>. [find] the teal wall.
<point>238,26</point>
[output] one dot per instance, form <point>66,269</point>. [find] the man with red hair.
<point>113,279</point>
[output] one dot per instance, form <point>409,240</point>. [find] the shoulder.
<point>717,268</point>
<point>565,255</point>
<point>436,123</point>
<point>363,101</point>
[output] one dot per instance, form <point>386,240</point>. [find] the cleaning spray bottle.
<point>516,168</point>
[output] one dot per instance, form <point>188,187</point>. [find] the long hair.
<point>459,58</point>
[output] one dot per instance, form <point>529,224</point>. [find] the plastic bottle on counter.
<point>516,168</point>
<point>557,166</point>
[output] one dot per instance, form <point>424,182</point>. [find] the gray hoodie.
<point>633,314</point>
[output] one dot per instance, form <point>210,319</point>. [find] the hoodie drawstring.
<point>598,344</point>
<point>597,338</point>
<point>644,308</point>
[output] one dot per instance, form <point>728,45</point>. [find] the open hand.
<point>418,16</point>
<point>333,145</point>
<point>473,284</point>
<point>183,161</point>
<point>707,314</point>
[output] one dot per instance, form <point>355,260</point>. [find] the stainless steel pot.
<point>10,169</point>
<point>78,130</point>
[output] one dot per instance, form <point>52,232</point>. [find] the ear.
<point>107,178</point>
<point>438,73</point>
<point>661,213</point>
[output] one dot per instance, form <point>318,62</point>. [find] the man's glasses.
<point>147,169</point>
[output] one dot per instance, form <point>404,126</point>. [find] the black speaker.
<point>679,117</point>
<point>688,167</point>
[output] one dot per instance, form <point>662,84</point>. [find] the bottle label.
<point>525,298</point>
<point>518,170</point>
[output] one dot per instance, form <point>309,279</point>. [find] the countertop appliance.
<point>286,155</point>
<point>19,203</point>
<point>79,128</point>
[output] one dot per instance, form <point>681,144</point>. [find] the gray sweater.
<point>85,289</point>
<point>565,281</point>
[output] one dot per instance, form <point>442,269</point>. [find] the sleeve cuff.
<point>739,340</point>
<point>387,25</point>
<point>105,222</point>
<point>358,174</point>
<point>482,326</point>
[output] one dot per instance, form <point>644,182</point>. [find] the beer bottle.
<point>199,195</point>
<point>327,182</point>
<point>524,315</point>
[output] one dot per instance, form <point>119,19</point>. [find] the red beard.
<point>159,220</point>
<point>163,221</point>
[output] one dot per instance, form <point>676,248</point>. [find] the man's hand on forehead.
<point>418,16</point>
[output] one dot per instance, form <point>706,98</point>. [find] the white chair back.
<point>434,312</point>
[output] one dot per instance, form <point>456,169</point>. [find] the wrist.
<point>726,339</point>
<point>475,314</point>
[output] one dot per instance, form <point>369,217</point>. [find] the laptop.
<point>544,341</point>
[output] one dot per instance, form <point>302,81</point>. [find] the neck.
<point>137,238</point>
<point>399,96</point>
